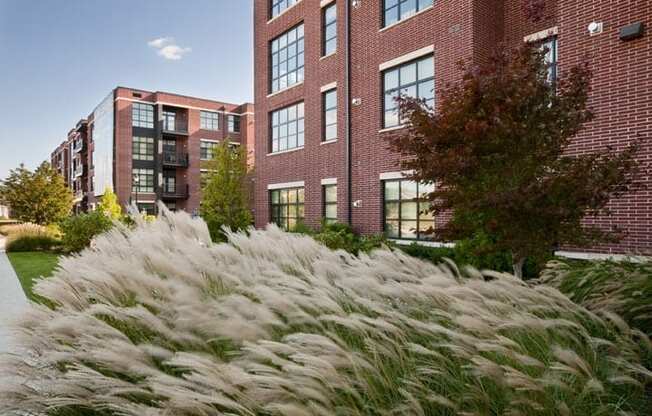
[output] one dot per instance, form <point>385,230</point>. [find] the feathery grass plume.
<point>30,237</point>
<point>158,320</point>
<point>624,288</point>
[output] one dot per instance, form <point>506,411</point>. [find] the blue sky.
<point>59,59</point>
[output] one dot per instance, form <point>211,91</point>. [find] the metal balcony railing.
<point>175,126</point>
<point>175,191</point>
<point>175,159</point>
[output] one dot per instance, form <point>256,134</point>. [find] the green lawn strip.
<point>30,266</point>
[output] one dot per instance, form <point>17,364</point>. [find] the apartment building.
<point>328,72</point>
<point>149,146</point>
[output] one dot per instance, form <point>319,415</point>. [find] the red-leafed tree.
<point>497,149</point>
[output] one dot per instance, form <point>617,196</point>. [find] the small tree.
<point>41,197</point>
<point>497,148</point>
<point>109,205</point>
<point>225,196</point>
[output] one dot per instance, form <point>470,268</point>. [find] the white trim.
<point>407,57</point>
<point>328,87</point>
<point>328,142</point>
<point>283,12</point>
<point>285,185</point>
<point>325,3</point>
<point>388,176</point>
<point>421,243</point>
<point>406,19</point>
<point>210,140</point>
<point>326,56</point>
<point>285,151</point>
<point>602,256</point>
<point>541,35</point>
<point>329,181</point>
<point>190,107</point>
<point>284,89</point>
<point>386,129</point>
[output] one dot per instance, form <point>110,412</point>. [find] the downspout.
<point>347,110</point>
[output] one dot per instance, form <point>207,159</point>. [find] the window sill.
<point>406,19</point>
<point>285,151</point>
<point>278,16</point>
<point>388,129</point>
<point>284,89</point>
<point>406,242</point>
<point>328,56</point>
<point>328,142</point>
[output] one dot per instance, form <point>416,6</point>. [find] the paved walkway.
<point>12,298</point>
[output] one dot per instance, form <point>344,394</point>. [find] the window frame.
<point>552,67</point>
<point>233,121</point>
<point>325,26</point>
<point>299,134</point>
<point>281,10</point>
<point>416,83</point>
<point>399,3</point>
<point>399,219</point>
<point>136,144</point>
<point>298,71</point>
<point>211,145</point>
<point>143,172</point>
<point>326,203</point>
<point>299,204</point>
<point>324,115</point>
<point>207,123</point>
<point>140,115</point>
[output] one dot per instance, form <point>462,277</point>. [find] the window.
<point>234,124</point>
<point>278,6</point>
<point>287,59</point>
<point>142,115</point>
<point>414,79</point>
<point>396,10</point>
<point>287,128</point>
<point>287,207</point>
<point>329,103</point>
<point>329,32</point>
<point>330,203</point>
<point>147,208</point>
<point>169,183</point>
<point>406,211</point>
<point>142,180</point>
<point>550,47</point>
<point>169,120</point>
<point>142,148</point>
<point>204,177</point>
<point>207,149</point>
<point>209,120</point>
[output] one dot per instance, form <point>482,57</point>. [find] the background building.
<point>149,146</point>
<point>328,71</point>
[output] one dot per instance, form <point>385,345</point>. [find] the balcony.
<point>175,191</point>
<point>78,146</point>
<point>174,125</point>
<point>175,159</point>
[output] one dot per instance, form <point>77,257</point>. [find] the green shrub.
<point>158,320</point>
<point>624,288</point>
<point>338,236</point>
<point>79,230</point>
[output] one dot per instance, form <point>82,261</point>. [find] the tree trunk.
<point>517,264</point>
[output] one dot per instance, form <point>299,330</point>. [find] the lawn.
<point>30,266</point>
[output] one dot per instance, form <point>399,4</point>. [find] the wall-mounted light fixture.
<point>595,28</point>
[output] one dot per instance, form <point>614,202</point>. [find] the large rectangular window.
<point>330,203</point>
<point>142,115</point>
<point>415,79</point>
<point>234,124</point>
<point>396,10</point>
<point>286,59</point>
<point>406,211</point>
<point>550,48</point>
<point>209,120</point>
<point>329,31</point>
<point>169,120</point>
<point>278,6</point>
<point>142,180</point>
<point>207,149</point>
<point>142,148</point>
<point>287,207</point>
<point>287,125</point>
<point>329,103</point>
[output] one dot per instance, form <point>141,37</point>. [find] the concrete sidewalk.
<point>12,298</point>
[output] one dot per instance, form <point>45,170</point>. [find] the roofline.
<point>182,95</point>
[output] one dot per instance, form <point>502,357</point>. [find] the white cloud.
<point>168,49</point>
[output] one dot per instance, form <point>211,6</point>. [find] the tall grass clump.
<point>30,237</point>
<point>157,320</point>
<point>624,288</point>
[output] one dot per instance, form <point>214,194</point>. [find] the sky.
<point>60,58</point>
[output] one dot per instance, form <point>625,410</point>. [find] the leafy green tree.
<point>497,149</point>
<point>225,195</point>
<point>79,230</point>
<point>41,197</point>
<point>109,205</point>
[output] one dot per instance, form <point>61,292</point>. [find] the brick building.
<point>149,146</point>
<point>327,72</point>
